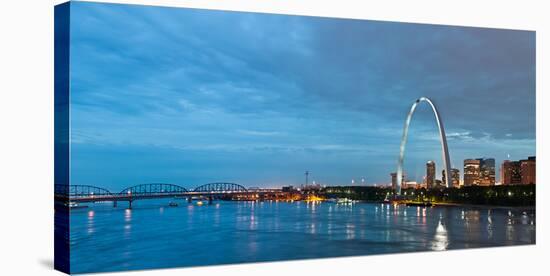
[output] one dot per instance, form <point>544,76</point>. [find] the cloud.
<point>269,87</point>
<point>464,135</point>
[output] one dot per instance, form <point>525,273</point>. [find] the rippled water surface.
<point>154,235</point>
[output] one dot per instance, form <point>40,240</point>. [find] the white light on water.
<point>441,238</point>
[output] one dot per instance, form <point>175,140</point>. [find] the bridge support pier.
<point>189,200</point>
<point>210,199</point>
<point>130,204</point>
<point>115,203</point>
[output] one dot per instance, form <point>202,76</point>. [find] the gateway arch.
<point>442,137</point>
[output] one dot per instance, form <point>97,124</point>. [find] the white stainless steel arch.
<point>443,138</point>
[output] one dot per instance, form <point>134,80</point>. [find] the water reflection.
<point>350,231</point>
<point>91,227</point>
<point>489,225</point>
<point>474,226</point>
<point>509,230</point>
<point>524,218</point>
<point>128,215</point>
<point>252,222</point>
<point>441,239</point>
<point>235,232</point>
<point>128,221</point>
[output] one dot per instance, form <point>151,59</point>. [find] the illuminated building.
<point>486,171</point>
<point>410,185</point>
<point>471,172</point>
<point>528,170</point>
<point>510,172</point>
<point>455,177</point>
<point>519,172</point>
<point>430,174</point>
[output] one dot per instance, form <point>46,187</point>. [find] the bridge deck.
<point>132,197</point>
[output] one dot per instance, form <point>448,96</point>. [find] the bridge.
<point>87,193</point>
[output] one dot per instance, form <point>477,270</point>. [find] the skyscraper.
<point>528,170</point>
<point>430,174</point>
<point>394,180</point>
<point>510,172</point>
<point>471,172</point>
<point>486,171</point>
<point>455,178</point>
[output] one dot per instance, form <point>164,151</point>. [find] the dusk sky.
<point>190,96</point>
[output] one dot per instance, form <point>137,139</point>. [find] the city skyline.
<point>191,137</point>
<point>478,172</point>
<point>179,106</point>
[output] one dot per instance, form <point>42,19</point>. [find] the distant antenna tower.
<point>307,175</point>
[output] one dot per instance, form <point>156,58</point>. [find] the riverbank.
<point>502,196</point>
<point>518,208</point>
<point>450,204</point>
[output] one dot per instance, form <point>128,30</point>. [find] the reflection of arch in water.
<point>444,149</point>
<point>441,237</point>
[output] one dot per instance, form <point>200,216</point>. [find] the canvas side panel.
<point>62,137</point>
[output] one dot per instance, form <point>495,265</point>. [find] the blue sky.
<point>192,96</point>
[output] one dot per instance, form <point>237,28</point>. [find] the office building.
<point>528,170</point>
<point>486,171</point>
<point>455,178</point>
<point>394,180</point>
<point>510,172</point>
<point>430,174</point>
<point>471,172</point>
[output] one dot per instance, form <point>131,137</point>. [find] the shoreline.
<point>448,204</point>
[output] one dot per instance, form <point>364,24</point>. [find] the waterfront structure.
<point>86,193</point>
<point>471,172</point>
<point>442,137</point>
<point>430,174</point>
<point>528,170</point>
<point>455,178</point>
<point>486,171</point>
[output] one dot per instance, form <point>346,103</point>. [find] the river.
<point>154,235</point>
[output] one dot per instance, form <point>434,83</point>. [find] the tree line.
<point>503,195</point>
